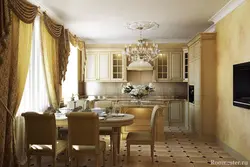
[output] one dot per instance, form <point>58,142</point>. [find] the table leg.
<point>115,132</point>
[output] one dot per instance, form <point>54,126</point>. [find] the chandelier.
<point>143,50</point>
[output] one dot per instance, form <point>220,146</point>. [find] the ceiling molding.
<point>228,8</point>
<point>89,41</point>
<point>48,11</point>
<point>211,29</point>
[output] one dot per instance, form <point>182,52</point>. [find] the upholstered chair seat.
<point>47,149</point>
<point>139,137</point>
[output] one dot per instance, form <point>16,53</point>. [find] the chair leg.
<point>54,161</point>
<point>128,151</point>
<point>152,152</point>
<point>66,157</point>
<point>103,158</point>
<point>28,160</point>
<point>38,160</point>
<point>77,162</point>
<point>97,159</point>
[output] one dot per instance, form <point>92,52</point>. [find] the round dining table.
<point>116,121</point>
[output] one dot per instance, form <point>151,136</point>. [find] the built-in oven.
<point>191,93</point>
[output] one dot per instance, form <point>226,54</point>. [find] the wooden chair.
<point>40,130</point>
<point>105,130</point>
<point>144,138</point>
<point>83,138</point>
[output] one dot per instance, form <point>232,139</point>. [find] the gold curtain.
<point>76,42</point>
<point>58,32</point>
<point>50,58</point>
<point>4,27</point>
<point>24,10</point>
<point>8,91</point>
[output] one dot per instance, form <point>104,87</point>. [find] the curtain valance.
<point>53,28</point>
<point>24,10</point>
<point>76,42</point>
<point>64,52</point>
<point>5,22</point>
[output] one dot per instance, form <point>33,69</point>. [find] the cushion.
<point>61,145</point>
<point>80,148</point>
<point>139,136</point>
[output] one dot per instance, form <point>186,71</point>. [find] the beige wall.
<point>233,46</point>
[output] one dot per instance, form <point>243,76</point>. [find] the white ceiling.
<point>103,21</point>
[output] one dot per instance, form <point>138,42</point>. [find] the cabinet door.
<point>118,67</point>
<point>197,119</point>
<point>176,112</point>
<point>91,66</point>
<point>176,66</point>
<point>104,66</point>
<point>191,116</point>
<point>163,66</point>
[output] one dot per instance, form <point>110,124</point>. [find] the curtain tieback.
<point>6,109</point>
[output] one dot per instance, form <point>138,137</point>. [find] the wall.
<point>233,44</point>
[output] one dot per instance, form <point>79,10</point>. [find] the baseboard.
<point>232,152</point>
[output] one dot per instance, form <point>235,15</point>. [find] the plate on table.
<point>60,116</point>
<point>101,118</point>
<point>118,115</point>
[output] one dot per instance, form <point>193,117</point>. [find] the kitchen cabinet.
<point>105,66</point>
<point>119,72</point>
<point>169,67</point>
<point>185,64</point>
<point>176,113</point>
<point>202,74</point>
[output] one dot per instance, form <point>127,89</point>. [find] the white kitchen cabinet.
<point>118,63</point>
<point>176,112</point>
<point>176,66</point>
<point>105,66</point>
<point>169,67</point>
<point>91,64</point>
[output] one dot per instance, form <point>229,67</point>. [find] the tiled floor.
<point>180,149</point>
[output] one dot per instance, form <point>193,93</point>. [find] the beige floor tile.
<point>183,164</point>
<point>166,164</point>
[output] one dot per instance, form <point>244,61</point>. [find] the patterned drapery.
<point>62,35</point>
<point>24,10</point>
<point>5,22</point>
<point>76,42</point>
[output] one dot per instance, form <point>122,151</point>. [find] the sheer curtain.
<point>70,85</point>
<point>35,95</point>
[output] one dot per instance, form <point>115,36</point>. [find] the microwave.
<point>191,93</point>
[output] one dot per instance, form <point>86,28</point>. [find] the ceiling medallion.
<point>143,50</point>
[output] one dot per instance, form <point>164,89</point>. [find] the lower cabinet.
<point>176,113</point>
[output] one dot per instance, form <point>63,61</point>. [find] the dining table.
<point>115,121</point>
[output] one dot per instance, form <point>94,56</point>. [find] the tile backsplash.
<point>177,89</point>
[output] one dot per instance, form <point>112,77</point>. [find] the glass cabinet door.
<point>162,68</point>
<point>117,66</point>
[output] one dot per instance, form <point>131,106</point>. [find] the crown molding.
<point>228,8</point>
<point>102,41</point>
<point>48,11</point>
<point>211,29</point>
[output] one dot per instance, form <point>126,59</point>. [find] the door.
<point>118,71</point>
<point>176,66</point>
<point>91,66</point>
<point>104,66</point>
<point>176,112</point>
<point>163,66</point>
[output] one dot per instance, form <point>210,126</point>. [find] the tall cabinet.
<point>202,75</point>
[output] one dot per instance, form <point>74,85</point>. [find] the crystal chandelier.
<point>143,50</point>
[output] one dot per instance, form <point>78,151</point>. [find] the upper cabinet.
<point>185,64</point>
<point>169,67</point>
<point>118,65</point>
<point>105,66</point>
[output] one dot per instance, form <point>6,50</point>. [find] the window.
<point>35,95</point>
<point>70,85</point>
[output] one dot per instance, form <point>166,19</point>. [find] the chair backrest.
<point>83,129</point>
<point>103,104</point>
<point>40,129</point>
<point>153,119</point>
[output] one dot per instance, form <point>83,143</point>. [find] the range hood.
<point>140,65</point>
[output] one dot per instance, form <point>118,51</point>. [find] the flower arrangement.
<point>138,91</point>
